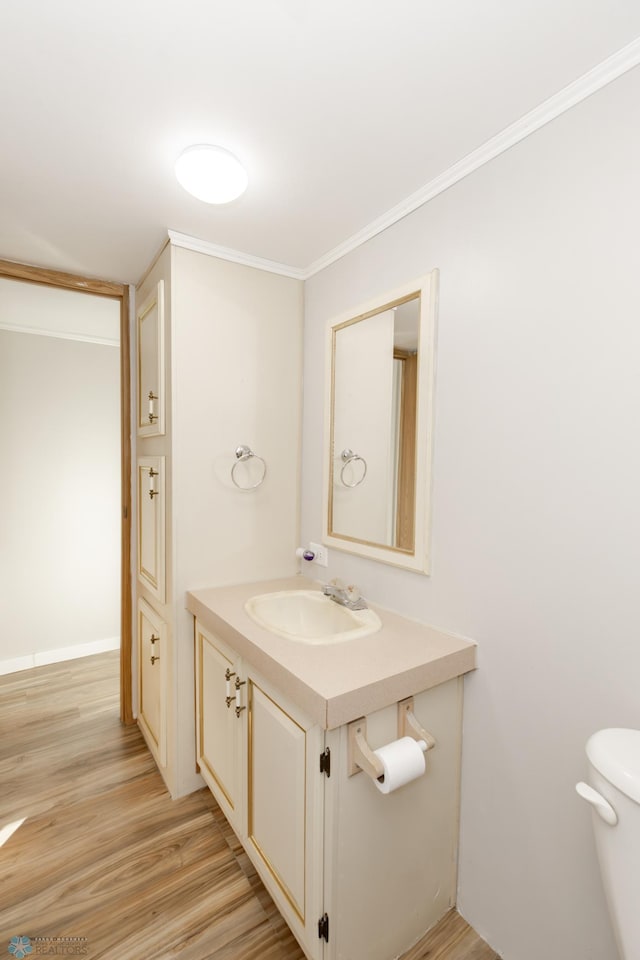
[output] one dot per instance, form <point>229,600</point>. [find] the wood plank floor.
<point>93,847</point>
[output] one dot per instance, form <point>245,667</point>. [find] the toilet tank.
<point>614,775</point>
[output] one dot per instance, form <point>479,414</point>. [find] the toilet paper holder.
<point>360,756</point>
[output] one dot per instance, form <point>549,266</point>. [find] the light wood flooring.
<point>95,848</point>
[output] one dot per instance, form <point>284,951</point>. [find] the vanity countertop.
<point>339,682</point>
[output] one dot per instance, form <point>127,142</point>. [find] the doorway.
<point>119,293</point>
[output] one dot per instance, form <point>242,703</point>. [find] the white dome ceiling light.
<point>211,174</point>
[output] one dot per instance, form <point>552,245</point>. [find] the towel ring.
<point>244,453</point>
<point>348,456</point>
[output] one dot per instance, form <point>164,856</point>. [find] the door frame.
<point>120,292</point>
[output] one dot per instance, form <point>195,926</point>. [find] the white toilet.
<point>614,793</point>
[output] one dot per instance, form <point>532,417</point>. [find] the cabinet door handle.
<point>152,491</point>
<point>152,416</point>
<point>239,683</point>
<point>227,676</point>
<point>153,639</point>
<point>153,660</point>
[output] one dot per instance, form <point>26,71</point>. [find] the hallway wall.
<point>60,476</point>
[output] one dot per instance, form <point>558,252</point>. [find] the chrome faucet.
<point>349,597</point>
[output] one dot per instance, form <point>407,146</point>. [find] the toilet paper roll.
<point>402,761</point>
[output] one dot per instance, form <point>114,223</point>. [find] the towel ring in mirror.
<point>348,456</point>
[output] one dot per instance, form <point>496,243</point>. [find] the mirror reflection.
<point>372,490</point>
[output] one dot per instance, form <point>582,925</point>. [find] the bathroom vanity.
<point>355,872</point>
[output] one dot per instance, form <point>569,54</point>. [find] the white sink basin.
<point>309,617</point>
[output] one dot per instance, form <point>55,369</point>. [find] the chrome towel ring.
<point>348,456</point>
<point>243,454</point>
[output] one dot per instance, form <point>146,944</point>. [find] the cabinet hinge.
<point>323,928</point>
<point>325,761</point>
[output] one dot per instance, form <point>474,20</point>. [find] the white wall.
<point>536,524</point>
<point>57,312</point>
<point>59,482</point>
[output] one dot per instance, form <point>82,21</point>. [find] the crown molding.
<point>604,73</point>
<point>235,256</point>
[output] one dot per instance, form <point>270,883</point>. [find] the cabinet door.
<point>284,810</point>
<point>151,525</point>
<point>219,727</point>
<point>152,654</point>
<point>150,344</point>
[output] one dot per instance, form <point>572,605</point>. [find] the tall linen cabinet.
<point>218,367</point>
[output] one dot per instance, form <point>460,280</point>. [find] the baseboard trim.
<point>44,657</point>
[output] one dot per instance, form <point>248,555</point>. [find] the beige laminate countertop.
<point>335,683</point>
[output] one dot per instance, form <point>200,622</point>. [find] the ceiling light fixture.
<point>211,174</point>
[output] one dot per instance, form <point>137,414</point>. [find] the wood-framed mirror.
<point>379,425</point>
